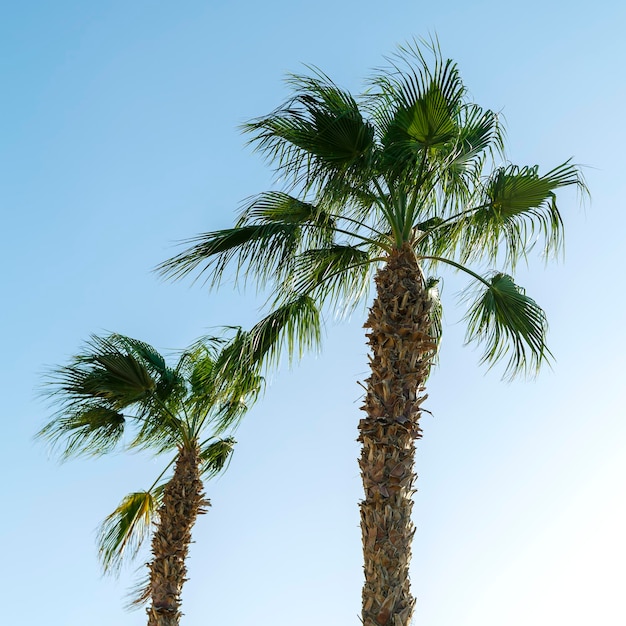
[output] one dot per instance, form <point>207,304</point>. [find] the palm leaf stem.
<point>458,215</point>
<point>358,223</point>
<point>458,266</point>
<point>362,238</point>
<point>392,218</point>
<point>158,478</point>
<point>191,422</point>
<point>408,226</point>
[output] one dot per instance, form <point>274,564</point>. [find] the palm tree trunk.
<point>183,501</point>
<point>401,351</point>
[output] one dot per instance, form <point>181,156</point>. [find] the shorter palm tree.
<point>117,384</point>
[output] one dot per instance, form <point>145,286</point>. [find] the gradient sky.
<point>120,137</point>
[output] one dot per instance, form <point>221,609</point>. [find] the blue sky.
<point>120,137</point>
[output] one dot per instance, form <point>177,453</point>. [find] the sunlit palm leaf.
<point>417,110</point>
<point>123,532</point>
<point>508,322</point>
<point>424,118</point>
<point>294,325</point>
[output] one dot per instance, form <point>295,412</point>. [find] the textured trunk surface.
<point>183,501</point>
<point>401,351</point>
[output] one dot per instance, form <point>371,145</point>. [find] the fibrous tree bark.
<point>183,501</point>
<point>402,348</point>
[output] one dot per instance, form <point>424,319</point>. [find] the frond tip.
<point>507,321</point>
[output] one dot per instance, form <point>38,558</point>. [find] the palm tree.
<point>117,384</point>
<point>394,184</point>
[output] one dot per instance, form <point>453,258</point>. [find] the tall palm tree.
<point>395,184</point>
<point>117,384</point>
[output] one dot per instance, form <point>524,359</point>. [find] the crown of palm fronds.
<point>412,161</point>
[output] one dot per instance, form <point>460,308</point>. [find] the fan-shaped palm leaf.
<point>507,321</point>
<point>123,532</point>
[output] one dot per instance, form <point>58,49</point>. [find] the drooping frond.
<point>216,455</point>
<point>293,326</point>
<point>93,393</point>
<point>337,274</point>
<point>91,430</point>
<point>258,246</point>
<point>106,372</point>
<point>272,228</point>
<point>123,531</point>
<point>508,322</point>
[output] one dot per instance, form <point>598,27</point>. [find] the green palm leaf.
<point>105,371</point>
<point>519,205</point>
<point>216,456</point>
<point>319,136</point>
<point>258,247</point>
<point>335,274</point>
<point>91,431</point>
<point>123,532</point>
<point>294,327</point>
<point>507,321</point>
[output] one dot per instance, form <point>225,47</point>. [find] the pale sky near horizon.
<point>120,137</point>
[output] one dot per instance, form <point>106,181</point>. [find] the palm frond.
<point>106,372</point>
<point>169,382</point>
<point>508,322</point>
<point>338,274</point>
<point>318,137</point>
<point>91,430</point>
<point>260,248</point>
<point>278,207</point>
<point>123,532</point>
<point>416,105</point>
<point>93,393</point>
<point>457,166</point>
<point>294,326</point>
<point>202,378</point>
<point>216,455</point>
<point>520,203</point>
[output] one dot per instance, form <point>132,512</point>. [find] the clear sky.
<point>119,137</point>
